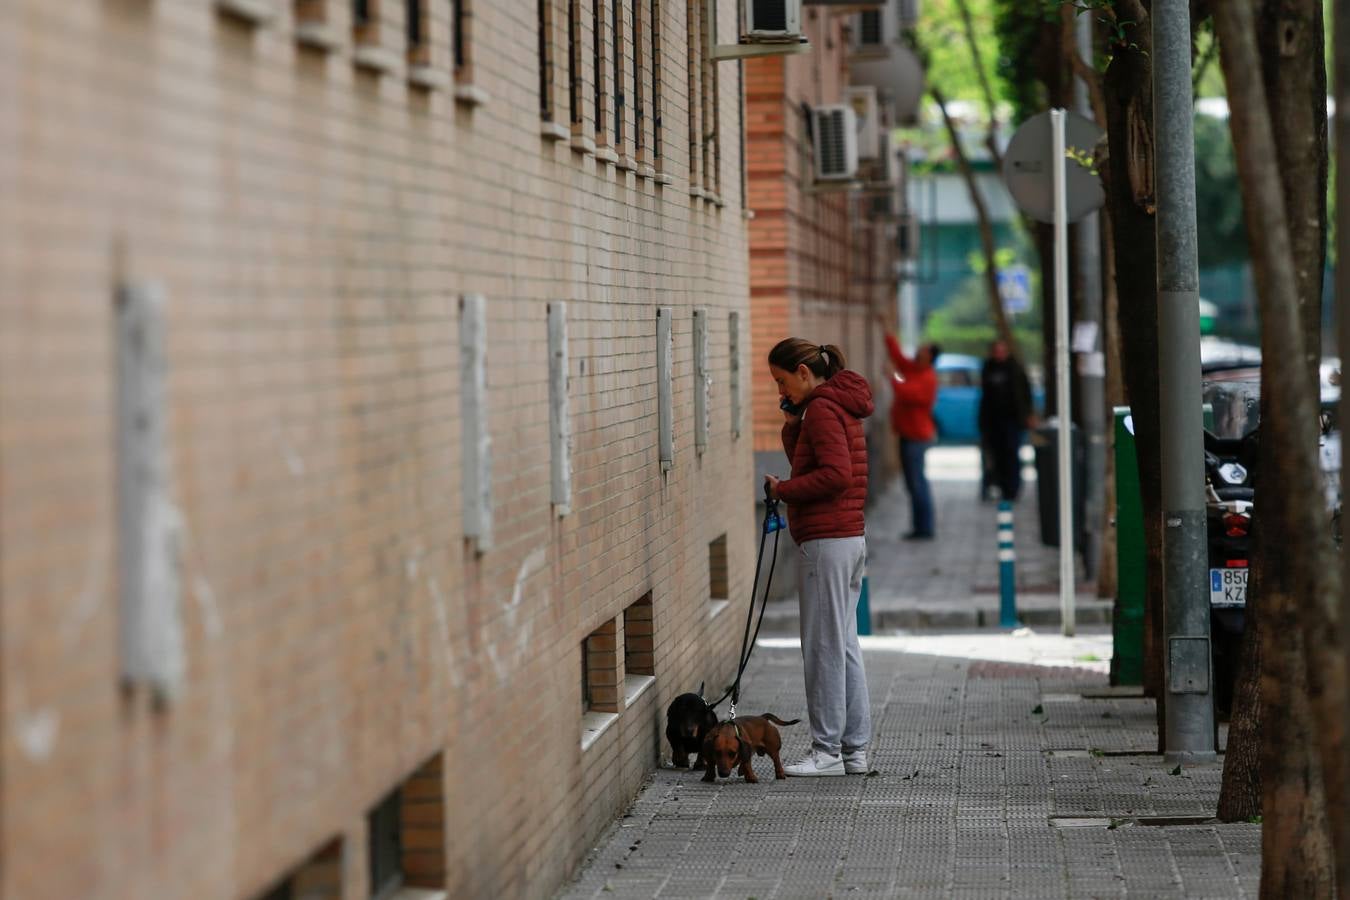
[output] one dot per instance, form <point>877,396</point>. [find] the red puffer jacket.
<point>828,487</point>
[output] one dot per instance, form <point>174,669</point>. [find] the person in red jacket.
<point>915,384</point>
<point>823,408</point>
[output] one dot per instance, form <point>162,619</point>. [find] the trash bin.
<point>1046,442</point>
<point>1127,619</point>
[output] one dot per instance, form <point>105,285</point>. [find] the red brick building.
<point>821,263</point>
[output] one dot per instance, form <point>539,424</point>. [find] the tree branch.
<point>1081,67</point>
<point>991,137</point>
<point>986,228</point>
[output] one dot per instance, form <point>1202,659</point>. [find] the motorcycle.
<point>1229,506</point>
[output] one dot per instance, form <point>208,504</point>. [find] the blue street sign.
<point>1014,289</point>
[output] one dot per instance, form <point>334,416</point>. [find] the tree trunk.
<point>1107,576</point>
<point>1240,795</point>
<point>986,227</point>
<point>1295,577</point>
<point>1127,88</point>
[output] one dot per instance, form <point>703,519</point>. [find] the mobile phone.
<point>788,406</point>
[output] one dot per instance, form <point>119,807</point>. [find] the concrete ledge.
<point>374,59</point>
<point>663,178</point>
<point>607,154</point>
<point>317,36</point>
<point>428,78</point>
<point>716,607</point>
<point>417,893</point>
<point>471,95</point>
<point>634,686</point>
<point>646,172</point>
<point>251,12</point>
<point>594,724</point>
<point>583,144</point>
<point>554,132</point>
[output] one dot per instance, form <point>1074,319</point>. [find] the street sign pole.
<point>1062,405</point>
<point>1189,725</point>
<point>1091,358</point>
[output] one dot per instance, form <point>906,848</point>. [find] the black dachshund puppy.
<point>688,721</point>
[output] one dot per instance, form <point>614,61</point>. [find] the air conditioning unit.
<point>864,102</point>
<point>835,134</point>
<point>772,20</point>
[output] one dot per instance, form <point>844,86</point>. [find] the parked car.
<point>957,410</point>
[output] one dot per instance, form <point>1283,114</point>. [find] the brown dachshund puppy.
<point>733,742</point>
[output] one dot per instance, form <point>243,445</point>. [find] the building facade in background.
<point>373,433</point>
<point>822,253</point>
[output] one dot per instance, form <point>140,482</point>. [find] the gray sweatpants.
<point>829,580</point>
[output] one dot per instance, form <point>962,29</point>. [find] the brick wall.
<point>313,224</point>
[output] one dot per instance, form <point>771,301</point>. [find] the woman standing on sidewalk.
<point>824,405</point>
<point>916,387</point>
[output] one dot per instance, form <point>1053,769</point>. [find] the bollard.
<point>864,608</point>
<point>1007,558</point>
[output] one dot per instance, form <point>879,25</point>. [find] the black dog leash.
<point>773,523</point>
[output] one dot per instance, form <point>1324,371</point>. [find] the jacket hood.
<point>850,391</point>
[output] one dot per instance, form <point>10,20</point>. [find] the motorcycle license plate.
<point>1228,587</point>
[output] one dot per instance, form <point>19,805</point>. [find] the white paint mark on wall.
<point>506,655</point>
<point>37,732</point>
<point>440,607</point>
<point>294,461</point>
<point>91,589</point>
<point>206,604</point>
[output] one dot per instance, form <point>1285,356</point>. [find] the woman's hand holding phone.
<point>791,413</point>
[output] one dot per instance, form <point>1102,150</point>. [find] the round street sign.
<point>1027,168</point>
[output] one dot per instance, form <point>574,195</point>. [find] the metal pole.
<point>1091,360</point>
<point>1189,734</point>
<point>1007,561</point>
<point>1062,405</point>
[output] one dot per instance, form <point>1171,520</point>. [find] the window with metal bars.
<point>545,60</point>
<point>459,38</point>
<point>869,28</point>
<point>597,69</point>
<point>616,33</point>
<point>414,25</point>
<point>695,93</point>
<point>640,37</point>
<point>574,60</point>
<point>363,13</point>
<point>655,18</point>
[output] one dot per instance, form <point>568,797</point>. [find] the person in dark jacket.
<point>825,494</point>
<point>915,383</point>
<point>1005,415</point>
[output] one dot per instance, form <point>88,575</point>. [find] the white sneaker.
<point>816,765</point>
<point>855,762</point>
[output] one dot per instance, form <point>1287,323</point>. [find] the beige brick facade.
<point>313,217</point>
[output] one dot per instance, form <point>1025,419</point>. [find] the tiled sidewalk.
<point>982,769</point>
